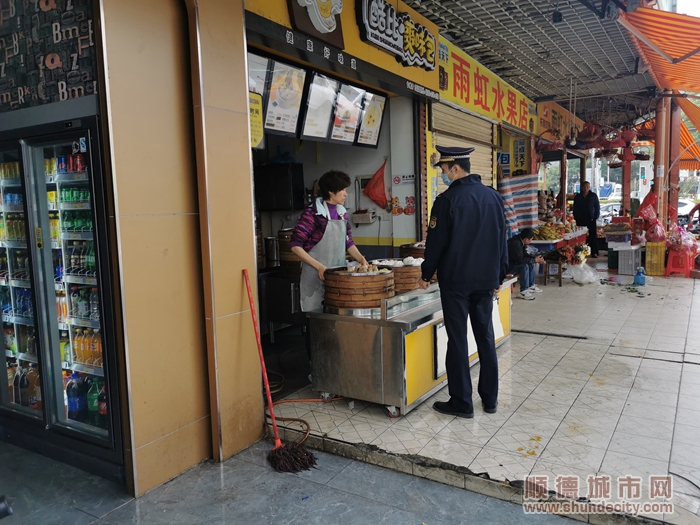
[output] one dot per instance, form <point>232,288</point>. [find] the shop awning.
<point>690,159</point>
<point>669,43</point>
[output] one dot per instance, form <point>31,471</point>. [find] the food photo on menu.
<point>347,114</point>
<point>285,98</point>
<point>371,119</point>
<point>322,94</point>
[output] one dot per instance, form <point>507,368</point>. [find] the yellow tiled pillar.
<point>224,167</point>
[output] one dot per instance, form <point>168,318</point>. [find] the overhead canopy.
<point>690,152</point>
<point>669,44</point>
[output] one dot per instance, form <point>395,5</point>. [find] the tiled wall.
<point>158,219</point>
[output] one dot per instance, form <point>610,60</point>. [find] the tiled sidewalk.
<point>620,398</point>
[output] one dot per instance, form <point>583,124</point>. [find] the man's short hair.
<point>527,233</point>
<point>585,182</point>
<point>465,164</point>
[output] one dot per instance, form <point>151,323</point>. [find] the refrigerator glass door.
<point>61,174</point>
<point>22,392</point>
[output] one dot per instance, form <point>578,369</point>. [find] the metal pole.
<point>661,157</point>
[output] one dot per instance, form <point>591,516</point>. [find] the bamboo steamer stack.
<point>409,250</point>
<point>289,261</point>
<point>406,278</point>
<point>345,289</point>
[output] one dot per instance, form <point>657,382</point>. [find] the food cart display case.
<point>393,355</point>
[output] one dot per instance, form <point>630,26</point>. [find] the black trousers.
<point>478,306</point>
<point>592,239</point>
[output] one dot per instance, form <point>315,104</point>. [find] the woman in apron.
<point>322,236</point>
<point>320,239</point>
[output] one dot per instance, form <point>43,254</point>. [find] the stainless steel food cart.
<point>393,355</point>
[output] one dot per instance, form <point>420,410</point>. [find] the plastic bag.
<point>582,273</point>
<point>376,190</point>
<point>656,232</point>
<point>680,240</point>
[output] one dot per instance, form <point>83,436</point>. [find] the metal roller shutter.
<point>463,130</point>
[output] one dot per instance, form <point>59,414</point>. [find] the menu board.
<point>321,99</point>
<point>284,100</point>
<point>371,123</point>
<point>257,73</point>
<point>347,114</point>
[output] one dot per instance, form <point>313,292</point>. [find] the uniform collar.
<point>474,178</point>
<point>321,209</point>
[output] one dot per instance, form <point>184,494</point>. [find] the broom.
<point>283,458</point>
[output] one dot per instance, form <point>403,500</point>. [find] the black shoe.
<point>445,407</point>
<point>491,410</point>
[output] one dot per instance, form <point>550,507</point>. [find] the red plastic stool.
<point>678,262</point>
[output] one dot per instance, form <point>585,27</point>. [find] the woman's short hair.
<point>332,182</point>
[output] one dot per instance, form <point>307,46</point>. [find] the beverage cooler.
<point>61,392</point>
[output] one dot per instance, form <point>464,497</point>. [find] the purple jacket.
<point>311,227</point>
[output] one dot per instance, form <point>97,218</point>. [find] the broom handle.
<point>262,358</point>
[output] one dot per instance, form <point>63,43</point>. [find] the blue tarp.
<point>606,190</point>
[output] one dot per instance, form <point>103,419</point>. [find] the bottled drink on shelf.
<point>74,299</point>
<point>34,388</point>
<point>77,346</point>
<point>93,403</point>
<point>84,304</point>
<point>68,221</point>
<point>11,373</point>
<point>64,346</point>
<point>102,407</point>
<point>77,403</point>
<point>2,228</point>
<point>24,389</point>
<point>82,259</point>
<point>10,341</point>
<point>85,343</point>
<point>78,221</point>
<point>90,259</point>
<point>15,387</point>
<point>31,342</point>
<point>96,348</point>
<point>94,305</point>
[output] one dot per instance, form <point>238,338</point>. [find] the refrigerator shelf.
<point>80,236</point>
<point>27,321</point>
<point>14,244</point>
<point>87,370</point>
<point>20,283</point>
<point>85,323</point>
<point>77,279</point>
<point>27,357</point>
<point>71,177</point>
<point>10,183</point>
<point>74,206</point>
<point>12,207</point>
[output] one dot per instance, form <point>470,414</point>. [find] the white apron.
<point>330,252</point>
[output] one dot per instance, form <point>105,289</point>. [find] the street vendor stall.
<point>392,354</point>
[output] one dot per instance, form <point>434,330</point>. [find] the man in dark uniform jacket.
<point>466,244</point>
<point>586,212</point>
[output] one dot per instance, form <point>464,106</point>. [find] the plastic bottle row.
<point>24,386</point>
<point>75,195</point>
<point>79,259</point>
<point>86,399</point>
<point>13,228</point>
<point>9,170</point>
<point>76,221</point>
<point>12,199</point>
<point>83,303</point>
<point>64,164</point>
<point>23,305</point>
<point>23,342</point>
<point>83,348</point>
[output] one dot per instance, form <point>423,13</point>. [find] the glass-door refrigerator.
<point>55,293</point>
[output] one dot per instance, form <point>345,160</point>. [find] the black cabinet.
<point>280,187</point>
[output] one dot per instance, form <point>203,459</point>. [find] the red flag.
<point>376,190</point>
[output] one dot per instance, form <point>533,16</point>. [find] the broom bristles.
<point>291,458</point>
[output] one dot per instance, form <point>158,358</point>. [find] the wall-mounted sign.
<point>284,101</point>
<point>396,33</point>
<point>467,84</point>
<point>319,107</point>
<point>257,133</point>
<point>553,116</point>
<point>318,18</point>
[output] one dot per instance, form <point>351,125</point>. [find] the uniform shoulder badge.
<point>433,222</point>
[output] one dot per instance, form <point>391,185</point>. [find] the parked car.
<point>684,207</point>
<point>607,212</point>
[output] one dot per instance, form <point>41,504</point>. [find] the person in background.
<point>586,211</point>
<point>466,244</point>
<point>523,264</point>
<point>321,238</point>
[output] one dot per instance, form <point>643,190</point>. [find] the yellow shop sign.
<point>466,83</point>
